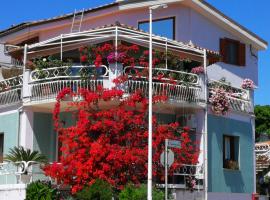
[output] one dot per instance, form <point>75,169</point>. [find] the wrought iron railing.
<point>239,99</point>
<point>49,90</point>
<point>10,91</point>
<point>162,74</point>
<point>68,72</point>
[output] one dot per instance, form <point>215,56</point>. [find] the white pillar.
<point>26,92</point>
<point>26,136</point>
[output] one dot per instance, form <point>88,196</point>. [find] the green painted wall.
<point>223,180</point>
<point>44,135</point>
<point>9,126</point>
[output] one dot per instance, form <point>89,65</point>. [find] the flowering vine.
<point>248,84</point>
<point>111,143</point>
<point>219,101</point>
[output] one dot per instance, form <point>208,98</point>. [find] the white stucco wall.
<point>190,25</point>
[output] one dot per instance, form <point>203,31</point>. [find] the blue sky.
<point>253,15</point>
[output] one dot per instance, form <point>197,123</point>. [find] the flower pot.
<point>24,178</point>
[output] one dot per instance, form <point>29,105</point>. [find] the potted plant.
<point>24,158</point>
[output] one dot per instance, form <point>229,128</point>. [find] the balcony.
<point>10,91</point>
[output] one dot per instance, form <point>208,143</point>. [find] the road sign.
<point>170,158</point>
<point>174,144</point>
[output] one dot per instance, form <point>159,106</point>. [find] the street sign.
<point>170,158</point>
<point>174,144</point>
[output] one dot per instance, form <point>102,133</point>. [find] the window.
<point>164,27</point>
<point>1,147</point>
<point>233,52</point>
<point>230,152</point>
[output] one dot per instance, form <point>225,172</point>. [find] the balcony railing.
<point>10,91</point>
<point>176,85</point>
<point>45,84</point>
<point>239,99</point>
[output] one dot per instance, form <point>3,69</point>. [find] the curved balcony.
<point>45,84</point>
<point>239,98</point>
<point>176,85</point>
<point>10,91</point>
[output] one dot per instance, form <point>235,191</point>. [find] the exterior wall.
<point>13,192</point>
<point>190,26</point>
<point>9,125</point>
<point>45,139</point>
<point>223,180</point>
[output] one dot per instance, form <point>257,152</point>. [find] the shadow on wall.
<point>234,181</point>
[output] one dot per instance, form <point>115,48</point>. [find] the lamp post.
<point>150,93</point>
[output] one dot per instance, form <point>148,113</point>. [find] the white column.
<point>26,92</point>
<point>26,136</point>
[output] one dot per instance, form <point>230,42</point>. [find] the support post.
<point>166,169</point>
<point>205,164</point>
<point>149,176</point>
<point>61,48</point>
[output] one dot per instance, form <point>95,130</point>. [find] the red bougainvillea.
<point>109,140</point>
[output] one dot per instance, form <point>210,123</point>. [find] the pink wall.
<point>190,25</point>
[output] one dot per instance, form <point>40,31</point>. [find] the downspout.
<point>205,153</point>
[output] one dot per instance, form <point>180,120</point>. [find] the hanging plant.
<point>220,102</point>
<point>197,70</point>
<point>248,84</point>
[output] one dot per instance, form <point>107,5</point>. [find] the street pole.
<point>166,169</point>
<point>150,94</point>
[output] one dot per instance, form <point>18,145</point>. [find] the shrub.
<point>99,190</point>
<point>41,191</point>
<point>139,193</point>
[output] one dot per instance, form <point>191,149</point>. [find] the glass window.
<point>231,152</point>
<point>1,147</point>
<point>161,27</point>
<point>232,52</point>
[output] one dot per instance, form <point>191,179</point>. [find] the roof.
<point>23,25</point>
<point>127,32</point>
<point>117,3</point>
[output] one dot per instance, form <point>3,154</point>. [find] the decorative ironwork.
<point>69,72</point>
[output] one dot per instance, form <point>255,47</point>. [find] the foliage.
<point>110,143</point>
<point>99,190</point>
<point>50,62</point>
<point>41,191</point>
<point>219,101</point>
<point>262,120</point>
<point>17,154</point>
<point>198,70</point>
<point>248,84</point>
<point>131,55</point>
<point>131,192</point>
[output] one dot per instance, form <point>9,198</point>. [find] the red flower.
<point>83,58</point>
<point>98,60</point>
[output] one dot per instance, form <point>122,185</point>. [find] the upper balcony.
<point>172,69</point>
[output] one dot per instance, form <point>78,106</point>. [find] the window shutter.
<point>223,49</point>
<point>242,54</point>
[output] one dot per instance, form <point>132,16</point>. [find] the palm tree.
<point>19,154</point>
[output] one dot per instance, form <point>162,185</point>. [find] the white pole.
<point>166,169</point>
<point>205,127</point>
<point>61,53</point>
<point>149,178</point>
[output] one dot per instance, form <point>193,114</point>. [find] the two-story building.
<point>192,29</point>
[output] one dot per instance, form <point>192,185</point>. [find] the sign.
<point>170,158</point>
<point>174,144</point>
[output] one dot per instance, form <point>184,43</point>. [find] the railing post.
<point>202,85</point>
<point>26,92</point>
<point>251,99</point>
